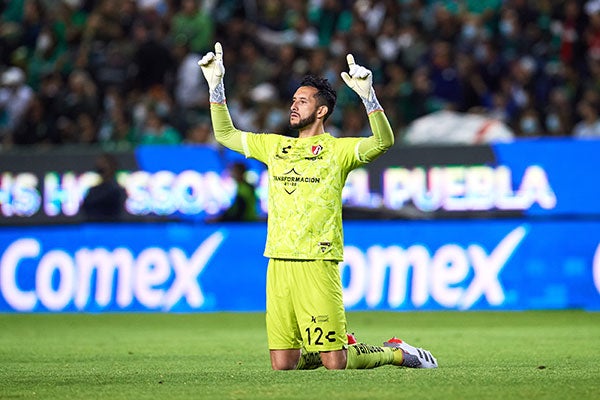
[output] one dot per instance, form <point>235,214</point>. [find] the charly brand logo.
<point>156,278</point>
<point>283,153</point>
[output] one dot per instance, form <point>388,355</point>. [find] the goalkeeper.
<point>306,321</point>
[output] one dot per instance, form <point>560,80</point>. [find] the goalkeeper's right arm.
<point>214,70</point>
<point>225,133</point>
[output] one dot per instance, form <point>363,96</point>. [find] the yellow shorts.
<point>305,307</point>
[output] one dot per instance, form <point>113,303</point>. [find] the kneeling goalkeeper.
<point>306,321</point>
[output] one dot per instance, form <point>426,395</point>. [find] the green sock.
<point>309,360</point>
<point>363,356</point>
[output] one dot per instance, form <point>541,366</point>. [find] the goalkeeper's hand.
<point>359,79</point>
<point>212,67</point>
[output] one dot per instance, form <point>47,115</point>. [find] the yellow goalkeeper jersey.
<point>306,178</point>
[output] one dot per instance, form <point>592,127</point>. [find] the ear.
<point>322,111</point>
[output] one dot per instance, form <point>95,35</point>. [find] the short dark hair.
<point>325,95</point>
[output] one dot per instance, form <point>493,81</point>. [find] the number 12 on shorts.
<point>318,335</point>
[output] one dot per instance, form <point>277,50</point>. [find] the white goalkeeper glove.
<point>213,71</point>
<point>360,79</point>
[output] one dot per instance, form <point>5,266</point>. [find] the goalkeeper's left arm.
<point>382,139</point>
<point>360,80</point>
<point>214,70</point>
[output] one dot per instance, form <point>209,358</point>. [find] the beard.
<point>304,122</point>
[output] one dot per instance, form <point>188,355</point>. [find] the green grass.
<point>482,355</point>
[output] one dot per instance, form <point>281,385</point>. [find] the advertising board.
<point>393,265</point>
<point>549,177</point>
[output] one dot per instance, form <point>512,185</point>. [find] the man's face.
<point>303,111</point>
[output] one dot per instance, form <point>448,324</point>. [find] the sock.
<point>359,356</point>
<point>309,360</point>
<point>362,356</point>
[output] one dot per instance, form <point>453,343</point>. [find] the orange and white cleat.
<point>412,357</point>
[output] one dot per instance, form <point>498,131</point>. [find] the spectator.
<point>592,32</point>
<point>388,46</point>
<point>194,26</point>
<point>15,97</point>
<point>200,133</point>
<point>421,95</point>
<point>104,24</point>
<point>589,126</point>
<point>191,100</point>
<point>444,76</point>
<point>105,201</point>
<point>112,68</point>
<point>86,128</point>
<point>243,207</point>
<point>36,128</point>
<point>329,17</point>
<point>558,112</point>
<point>32,23</point>
<point>49,57</point>
<point>115,130</point>
<point>75,108</point>
<point>283,75</point>
<point>529,123</point>
<point>152,59</point>
<point>81,96</point>
<point>156,130</point>
<point>569,30</point>
<point>355,124</point>
<point>396,95</point>
<point>73,18</point>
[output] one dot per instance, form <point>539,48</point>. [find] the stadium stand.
<point>118,73</point>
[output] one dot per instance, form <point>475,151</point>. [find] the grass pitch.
<point>482,355</point>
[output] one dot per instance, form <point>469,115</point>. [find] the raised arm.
<point>360,80</point>
<point>213,71</point>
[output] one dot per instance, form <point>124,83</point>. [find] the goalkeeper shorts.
<point>305,307</point>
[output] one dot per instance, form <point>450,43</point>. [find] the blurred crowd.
<point>124,72</point>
